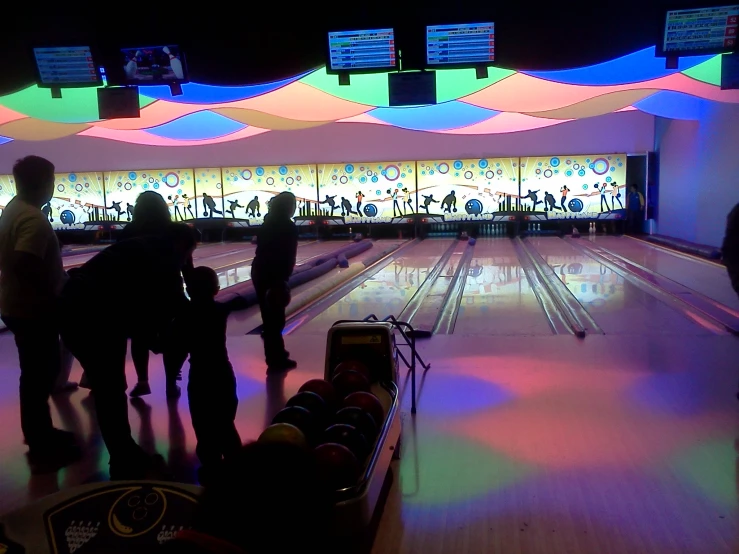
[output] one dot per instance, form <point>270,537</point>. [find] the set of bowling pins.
<point>534,228</point>
<point>493,229</point>
<point>443,227</point>
<point>592,229</point>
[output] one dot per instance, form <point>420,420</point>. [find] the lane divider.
<point>449,311</point>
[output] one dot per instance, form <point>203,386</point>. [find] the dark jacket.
<point>730,248</point>
<point>277,250</point>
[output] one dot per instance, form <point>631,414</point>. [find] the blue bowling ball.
<point>575,205</point>
<point>472,241</point>
<point>370,210</point>
<point>473,207</point>
<point>67,217</point>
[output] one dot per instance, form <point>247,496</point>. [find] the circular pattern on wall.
<point>270,181</point>
<point>282,170</point>
<point>289,180</point>
<point>600,166</point>
<point>246,174</point>
<point>489,174</point>
<point>259,171</point>
<point>392,172</point>
<point>547,173</point>
<point>482,164</point>
<point>443,168</point>
<point>349,168</point>
<point>554,162</point>
<point>343,179</point>
<point>468,175</point>
<point>458,164</point>
<point>171,179</point>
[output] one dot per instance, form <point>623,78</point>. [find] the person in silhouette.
<point>209,206</point>
<point>233,204</point>
<point>253,208</point>
<point>116,207</point>
<point>31,277</point>
<point>730,249</point>
<point>359,197</point>
<point>346,207</point>
<point>146,274</point>
<point>564,191</point>
<point>48,211</point>
<point>427,201</point>
<point>151,217</point>
<point>188,205</point>
<point>211,389</point>
<point>407,199</point>
<point>533,195</point>
<point>634,210</point>
<point>396,207</point>
<point>550,204</point>
<point>245,509</point>
<point>449,203</point>
<point>615,196</point>
<point>331,203</point>
<point>274,261</point>
<point>176,203</point>
<point>603,189</point>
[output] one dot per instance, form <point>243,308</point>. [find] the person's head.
<point>259,491</point>
<point>151,208</point>
<point>202,283</point>
<point>633,188</point>
<point>183,241</point>
<point>34,180</point>
<point>282,206</point>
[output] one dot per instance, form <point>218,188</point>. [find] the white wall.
<point>699,173</point>
<point>624,132</point>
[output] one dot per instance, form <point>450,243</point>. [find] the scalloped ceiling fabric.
<point>505,102</point>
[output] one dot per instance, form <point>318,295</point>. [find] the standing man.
<point>634,210</point>
<point>31,278</point>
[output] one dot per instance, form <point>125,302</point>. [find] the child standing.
<point>211,388</point>
<point>274,261</point>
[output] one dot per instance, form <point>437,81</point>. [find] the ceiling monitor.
<point>460,45</point>
<point>699,31</point>
<point>153,65</point>
<point>369,51</point>
<point>66,67</point>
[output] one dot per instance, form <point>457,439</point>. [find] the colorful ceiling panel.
<point>505,102</point>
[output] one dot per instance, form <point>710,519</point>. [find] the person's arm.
<point>27,259</point>
<point>235,304</point>
<point>641,201</point>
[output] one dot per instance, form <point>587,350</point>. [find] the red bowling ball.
<point>367,402</point>
<point>322,388</point>
<point>337,465</point>
<point>348,382</point>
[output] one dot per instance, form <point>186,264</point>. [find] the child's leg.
<point>140,357</point>
<point>230,439</point>
<point>205,422</point>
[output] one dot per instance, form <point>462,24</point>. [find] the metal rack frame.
<point>407,332</point>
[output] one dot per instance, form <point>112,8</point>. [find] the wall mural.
<point>506,102</point>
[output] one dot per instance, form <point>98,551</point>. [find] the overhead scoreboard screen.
<point>701,30</point>
<point>464,44</point>
<point>362,50</point>
<point>66,66</point>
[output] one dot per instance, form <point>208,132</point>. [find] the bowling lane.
<point>230,274</point>
<point>498,298</point>
<point>616,305</point>
<point>245,321</point>
<point>388,291</point>
<point>708,278</point>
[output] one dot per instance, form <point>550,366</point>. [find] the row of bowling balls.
<point>340,420</point>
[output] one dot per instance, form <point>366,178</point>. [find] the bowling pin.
<point>175,64</point>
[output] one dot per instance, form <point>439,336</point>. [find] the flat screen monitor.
<point>361,51</point>
<point>154,65</point>
<point>700,31</point>
<point>66,67</point>
<point>416,88</point>
<point>459,45</point>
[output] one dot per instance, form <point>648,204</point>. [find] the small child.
<point>211,389</point>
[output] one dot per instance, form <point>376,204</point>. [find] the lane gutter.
<point>449,311</point>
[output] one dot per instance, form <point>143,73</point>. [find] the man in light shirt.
<point>31,277</point>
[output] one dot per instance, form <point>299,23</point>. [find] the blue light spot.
<point>483,164</point>
<point>554,162</point>
<point>197,126</point>
<point>458,164</point>
<point>363,179</point>
<point>374,178</point>
<point>581,173</point>
<point>348,168</point>
<point>132,175</point>
<point>378,192</point>
<point>458,395</point>
<point>283,170</point>
<point>259,171</point>
<point>72,177</point>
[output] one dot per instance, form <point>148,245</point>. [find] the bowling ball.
<point>348,382</point>
<point>575,205</point>
<point>67,217</point>
<point>322,388</point>
<point>369,403</point>
<point>300,418</point>
<point>337,465</point>
<point>284,433</point>
<point>472,242</point>
<point>473,207</point>
<point>348,436</point>
<point>361,420</point>
<point>279,295</point>
<point>311,402</point>
<point>353,365</point>
<point>370,210</point>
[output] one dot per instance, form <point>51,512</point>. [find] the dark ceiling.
<point>232,44</point>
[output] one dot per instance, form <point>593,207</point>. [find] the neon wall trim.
<point>506,102</point>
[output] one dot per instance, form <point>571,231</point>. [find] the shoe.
<point>285,365</point>
<point>69,386</point>
<point>140,466</point>
<point>141,388</point>
<point>173,391</point>
<point>57,450</point>
<point>85,382</point>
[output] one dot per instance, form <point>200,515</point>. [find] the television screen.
<point>356,51</point>
<point>463,44</point>
<point>700,31</point>
<point>416,88</point>
<point>154,65</point>
<point>66,66</point>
